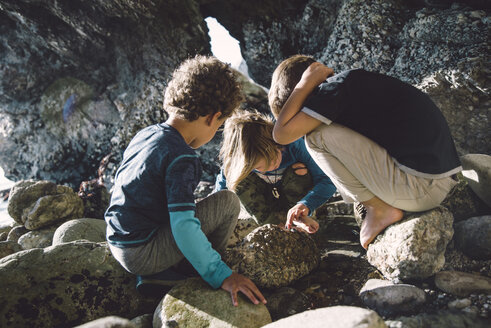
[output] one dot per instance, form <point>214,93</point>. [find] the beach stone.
<point>37,204</point>
<point>143,321</point>
<point>88,229</point>
<point>16,232</point>
<point>336,316</point>
<point>9,247</point>
<point>108,322</point>
<point>389,299</point>
<point>473,237</point>
<point>286,301</point>
<point>477,172</point>
<point>66,285</point>
<point>37,238</point>
<point>242,229</point>
<point>462,284</point>
<point>463,202</point>
<point>195,304</point>
<point>413,248</point>
<point>442,319</point>
<point>273,257</point>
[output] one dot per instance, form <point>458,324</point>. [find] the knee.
<point>231,200</point>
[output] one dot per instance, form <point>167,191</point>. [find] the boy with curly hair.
<point>382,142</point>
<point>153,221</point>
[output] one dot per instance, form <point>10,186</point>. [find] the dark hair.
<point>201,86</point>
<point>285,78</point>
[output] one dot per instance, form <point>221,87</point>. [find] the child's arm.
<point>291,123</point>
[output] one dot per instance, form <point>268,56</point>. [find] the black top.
<point>394,114</point>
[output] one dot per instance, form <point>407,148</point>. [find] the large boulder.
<point>413,248</point>
<point>195,304</point>
<point>37,204</point>
<point>65,285</point>
<point>274,257</point>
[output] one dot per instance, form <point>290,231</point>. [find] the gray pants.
<point>218,215</point>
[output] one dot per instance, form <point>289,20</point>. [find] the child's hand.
<point>298,216</point>
<point>236,282</point>
<point>315,74</point>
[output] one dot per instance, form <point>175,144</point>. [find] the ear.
<point>211,118</point>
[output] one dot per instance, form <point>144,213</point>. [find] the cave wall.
<point>78,78</point>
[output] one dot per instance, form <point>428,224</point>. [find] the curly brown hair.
<point>201,86</point>
<point>285,78</point>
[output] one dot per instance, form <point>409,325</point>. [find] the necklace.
<point>274,191</point>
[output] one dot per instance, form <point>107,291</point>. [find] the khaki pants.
<point>361,169</point>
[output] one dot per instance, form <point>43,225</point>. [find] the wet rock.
<point>143,321</point>
<point>37,204</point>
<point>108,322</point>
<point>195,304</point>
<point>65,285</point>
<point>463,202</point>
<point>285,302</point>
<point>413,248</point>
<point>16,233</point>
<point>37,238</point>
<point>273,257</point>
<point>442,319</point>
<point>477,172</point>
<point>462,283</point>
<point>335,316</point>
<point>88,229</point>
<point>390,299</point>
<point>9,247</point>
<point>473,237</point>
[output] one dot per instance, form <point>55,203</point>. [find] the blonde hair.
<point>201,86</point>
<point>285,78</point>
<point>247,139</point>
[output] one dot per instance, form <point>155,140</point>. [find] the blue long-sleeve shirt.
<point>293,153</point>
<point>154,188</point>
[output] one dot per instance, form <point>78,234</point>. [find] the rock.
<point>3,236</point>
<point>108,322</point>
<point>95,197</point>
<point>442,319</point>
<point>413,248</point>
<point>389,299</point>
<point>335,316</point>
<point>143,321</point>
<point>464,203</point>
<point>244,226</point>
<point>195,304</point>
<point>459,304</point>
<point>88,229</point>
<point>16,233</point>
<point>66,285</point>
<point>9,247</point>
<point>477,172</point>
<point>273,257</point>
<point>286,301</point>
<point>462,284</point>
<point>37,204</point>
<point>473,237</point>
<point>37,238</point>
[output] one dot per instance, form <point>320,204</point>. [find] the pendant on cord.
<point>275,192</point>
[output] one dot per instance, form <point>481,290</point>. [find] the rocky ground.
<point>344,270</point>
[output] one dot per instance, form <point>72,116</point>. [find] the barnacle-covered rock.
<point>274,257</point>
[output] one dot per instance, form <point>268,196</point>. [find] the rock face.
<point>65,285</point>
<point>37,204</point>
<point>189,305</point>
<point>413,248</point>
<point>273,257</point>
<point>78,80</point>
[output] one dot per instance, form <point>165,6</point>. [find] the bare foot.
<point>307,224</point>
<point>379,216</point>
